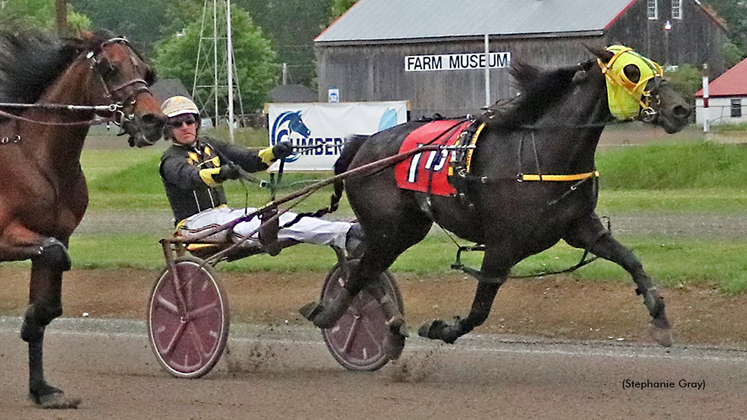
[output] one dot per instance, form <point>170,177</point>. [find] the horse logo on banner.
<point>285,126</point>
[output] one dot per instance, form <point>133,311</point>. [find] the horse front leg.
<point>590,234</point>
<point>490,278</point>
<point>45,304</point>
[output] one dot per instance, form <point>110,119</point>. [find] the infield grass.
<point>688,178</point>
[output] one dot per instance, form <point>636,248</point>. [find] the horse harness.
<point>460,176</point>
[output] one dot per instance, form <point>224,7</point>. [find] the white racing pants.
<point>308,229</point>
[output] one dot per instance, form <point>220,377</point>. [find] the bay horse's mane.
<point>30,61</point>
<point>539,91</point>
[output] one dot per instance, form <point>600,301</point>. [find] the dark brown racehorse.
<point>531,183</point>
<point>43,192</point>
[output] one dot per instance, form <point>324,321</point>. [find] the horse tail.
<point>352,145</point>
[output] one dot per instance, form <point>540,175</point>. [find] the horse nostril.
<point>153,120</point>
<point>681,111</point>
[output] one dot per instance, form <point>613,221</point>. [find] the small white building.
<point>727,98</point>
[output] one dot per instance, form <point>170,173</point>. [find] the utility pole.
<point>61,16</point>
<point>705,98</point>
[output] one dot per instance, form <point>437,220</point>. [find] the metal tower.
<point>215,57</point>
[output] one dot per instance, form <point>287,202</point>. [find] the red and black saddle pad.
<point>428,171</point>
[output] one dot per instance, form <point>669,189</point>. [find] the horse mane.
<point>30,61</point>
<point>539,90</point>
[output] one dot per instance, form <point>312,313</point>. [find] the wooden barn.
<point>432,52</point>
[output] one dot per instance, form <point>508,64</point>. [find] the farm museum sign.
<point>467,61</point>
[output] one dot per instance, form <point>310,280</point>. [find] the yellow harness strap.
<point>529,177</point>
<point>560,178</point>
<point>472,143</point>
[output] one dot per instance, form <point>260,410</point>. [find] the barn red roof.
<point>732,83</point>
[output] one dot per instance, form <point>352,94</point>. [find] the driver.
<point>194,168</point>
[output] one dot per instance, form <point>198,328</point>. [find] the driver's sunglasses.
<point>177,122</point>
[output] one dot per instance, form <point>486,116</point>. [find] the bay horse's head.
<point>122,78</point>
<point>636,89</point>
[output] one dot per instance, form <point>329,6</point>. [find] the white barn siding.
<point>719,111</point>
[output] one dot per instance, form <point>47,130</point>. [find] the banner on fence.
<point>321,128</point>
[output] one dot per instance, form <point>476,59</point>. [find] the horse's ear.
<point>600,52</point>
<point>580,76</point>
<point>524,73</point>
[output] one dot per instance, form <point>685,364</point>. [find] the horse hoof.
<point>395,341</point>
<point>431,328</point>
<point>311,310</point>
<point>663,336</point>
<point>661,331</point>
<point>395,344</point>
<point>56,401</point>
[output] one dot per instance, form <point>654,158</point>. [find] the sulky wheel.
<point>357,340</point>
<point>188,319</point>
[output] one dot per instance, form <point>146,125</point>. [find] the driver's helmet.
<point>179,105</point>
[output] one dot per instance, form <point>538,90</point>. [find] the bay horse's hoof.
<point>661,332</point>
<point>56,401</point>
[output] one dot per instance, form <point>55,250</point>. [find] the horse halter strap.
<point>628,99</point>
<point>131,99</point>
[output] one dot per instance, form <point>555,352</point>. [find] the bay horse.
<point>51,90</point>
<point>531,181</point>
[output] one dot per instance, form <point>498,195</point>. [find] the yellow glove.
<point>207,176</point>
<point>266,155</point>
<point>279,151</point>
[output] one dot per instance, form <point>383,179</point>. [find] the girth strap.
<point>558,178</point>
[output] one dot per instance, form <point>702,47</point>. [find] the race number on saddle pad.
<point>427,172</point>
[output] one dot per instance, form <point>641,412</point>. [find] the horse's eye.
<point>632,72</point>
<point>150,77</point>
<point>105,69</point>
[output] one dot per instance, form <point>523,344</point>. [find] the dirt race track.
<point>553,348</point>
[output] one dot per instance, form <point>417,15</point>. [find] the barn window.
<point>653,9</point>
<point>677,9</point>
<point>736,108</point>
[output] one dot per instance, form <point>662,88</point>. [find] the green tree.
<point>256,63</point>
<point>39,14</point>
<point>339,7</point>
<point>138,20</point>
<point>734,13</point>
<point>292,26</point>
<point>686,80</point>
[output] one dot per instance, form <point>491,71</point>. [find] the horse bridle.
<point>116,108</point>
<point>98,63</point>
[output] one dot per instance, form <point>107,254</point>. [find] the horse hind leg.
<point>395,340</point>
<point>383,246</point>
<point>45,298</point>
<point>591,235</point>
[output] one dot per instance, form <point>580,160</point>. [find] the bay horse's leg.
<point>589,233</point>
<point>45,304</point>
<point>492,275</point>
